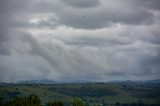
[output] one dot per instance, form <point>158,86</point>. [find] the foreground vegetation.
<point>89,94</point>
<point>34,100</point>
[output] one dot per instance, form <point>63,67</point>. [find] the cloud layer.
<point>95,40</point>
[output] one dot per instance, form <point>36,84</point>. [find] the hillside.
<point>89,92</point>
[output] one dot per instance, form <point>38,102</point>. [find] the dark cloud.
<point>153,4</point>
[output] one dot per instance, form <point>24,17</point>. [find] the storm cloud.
<point>93,40</point>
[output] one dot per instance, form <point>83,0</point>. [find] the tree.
<point>77,102</point>
<point>36,100</point>
<point>33,100</point>
<point>18,101</point>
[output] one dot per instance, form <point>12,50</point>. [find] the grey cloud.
<point>117,74</point>
<point>20,63</point>
<point>73,59</point>
<point>96,41</point>
<point>82,3</point>
<point>92,40</point>
<point>4,50</point>
<point>104,16</point>
<point>13,6</point>
<point>55,60</point>
<point>50,22</point>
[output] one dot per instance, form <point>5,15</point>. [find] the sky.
<point>72,40</point>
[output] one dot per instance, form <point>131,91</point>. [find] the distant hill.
<point>157,81</point>
<point>45,81</point>
<point>38,81</point>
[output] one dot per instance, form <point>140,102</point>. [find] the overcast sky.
<point>95,40</point>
